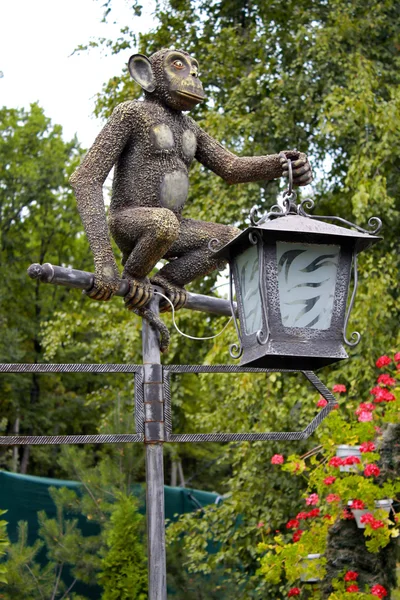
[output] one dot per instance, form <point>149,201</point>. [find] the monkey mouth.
<point>191,96</point>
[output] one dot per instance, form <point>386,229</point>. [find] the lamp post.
<point>292,274</point>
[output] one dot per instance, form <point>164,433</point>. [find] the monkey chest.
<point>176,147</point>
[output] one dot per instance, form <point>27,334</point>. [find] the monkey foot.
<point>156,322</point>
<point>140,293</point>
<point>301,168</point>
<point>177,295</point>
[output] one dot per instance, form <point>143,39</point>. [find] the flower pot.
<point>343,451</point>
<point>305,576</point>
<point>385,504</point>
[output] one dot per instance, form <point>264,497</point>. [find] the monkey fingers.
<point>101,292</point>
<point>140,293</point>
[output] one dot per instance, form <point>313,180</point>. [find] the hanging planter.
<point>343,451</point>
<point>385,505</point>
<point>306,576</point>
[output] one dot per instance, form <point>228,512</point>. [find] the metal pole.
<point>154,437</point>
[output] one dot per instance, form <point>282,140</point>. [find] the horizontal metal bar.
<point>68,368</point>
<point>236,437</point>
<point>223,369</point>
<point>83,280</point>
<point>38,440</point>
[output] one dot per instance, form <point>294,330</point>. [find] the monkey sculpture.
<point>151,144</point>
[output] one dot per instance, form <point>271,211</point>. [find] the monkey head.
<point>170,76</point>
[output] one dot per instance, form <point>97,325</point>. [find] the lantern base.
<point>300,357</point>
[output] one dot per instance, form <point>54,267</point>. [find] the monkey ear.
<point>141,71</point>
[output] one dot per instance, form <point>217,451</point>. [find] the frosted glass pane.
<point>247,271</point>
<point>307,281</point>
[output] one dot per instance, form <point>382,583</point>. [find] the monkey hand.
<point>140,293</point>
<point>177,295</point>
<point>301,168</point>
<point>106,283</point>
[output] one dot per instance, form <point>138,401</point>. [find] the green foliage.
<point>3,547</point>
<point>123,572</point>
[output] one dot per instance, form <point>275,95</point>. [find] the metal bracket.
<point>153,416</point>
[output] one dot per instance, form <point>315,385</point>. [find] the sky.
<point>37,39</point>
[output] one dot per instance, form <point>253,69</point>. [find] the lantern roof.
<point>302,228</point>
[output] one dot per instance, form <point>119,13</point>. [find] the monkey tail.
<point>156,322</point>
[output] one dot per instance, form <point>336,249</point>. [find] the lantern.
<point>292,273</point>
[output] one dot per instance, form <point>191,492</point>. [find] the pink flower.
<point>260,524</point>
<point>383,361</point>
<point>351,460</point>
<point>379,590</point>
<point>294,592</point>
<point>277,459</point>
<point>367,518</point>
<point>365,406</point>
<point>372,470</point>
<point>339,388</point>
<point>351,576</point>
<point>333,498</point>
<point>397,357</point>
<point>357,504</point>
<point>376,524</point>
<point>302,516</point>
<point>367,447</point>
<point>365,416</point>
<point>336,461</point>
<point>385,379</point>
<point>322,402</point>
<point>329,480</point>
<point>293,524</point>
<point>312,500</point>
<point>353,588</point>
<point>297,535</point>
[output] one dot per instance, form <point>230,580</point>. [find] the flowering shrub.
<point>335,494</point>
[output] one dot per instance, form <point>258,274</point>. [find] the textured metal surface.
<point>68,368</point>
<point>167,405</point>
<point>37,440</point>
<point>237,437</point>
<point>156,522</point>
<point>223,369</point>
<point>139,408</point>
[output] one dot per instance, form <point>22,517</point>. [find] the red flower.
<point>336,461</point>
<point>329,480</point>
<point>379,590</point>
<point>293,524</point>
<point>297,535</point>
<point>277,459</point>
<point>339,388</point>
<point>367,518</point>
<point>385,379</point>
<point>302,516</point>
<point>322,402</point>
<point>313,513</point>
<point>357,504</point>
<point>347,514</point>
<point>367,447</point>
<point>351,576</point>
<point>376,524</point>
<point>260,524</point>
<point>351,460</point>
<point>397,357</point>
<point>353,588</point>
<point>372,470</point>
<point>294,592</point>
<point>333,498</point>
<point>365,406</point>
<point>328,517</point>
<point>383,361</point>
<point>312,500</point>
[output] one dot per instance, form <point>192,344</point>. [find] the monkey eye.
<point>178,64</point>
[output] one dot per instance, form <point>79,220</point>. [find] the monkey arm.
<point>87,182</point>
<point>232,168</point>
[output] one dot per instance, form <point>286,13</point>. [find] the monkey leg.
<point>191,255</point>
<point>143,235</point>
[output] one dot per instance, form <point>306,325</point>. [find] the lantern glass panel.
<point>248,277</point>
<point>307,281</point>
